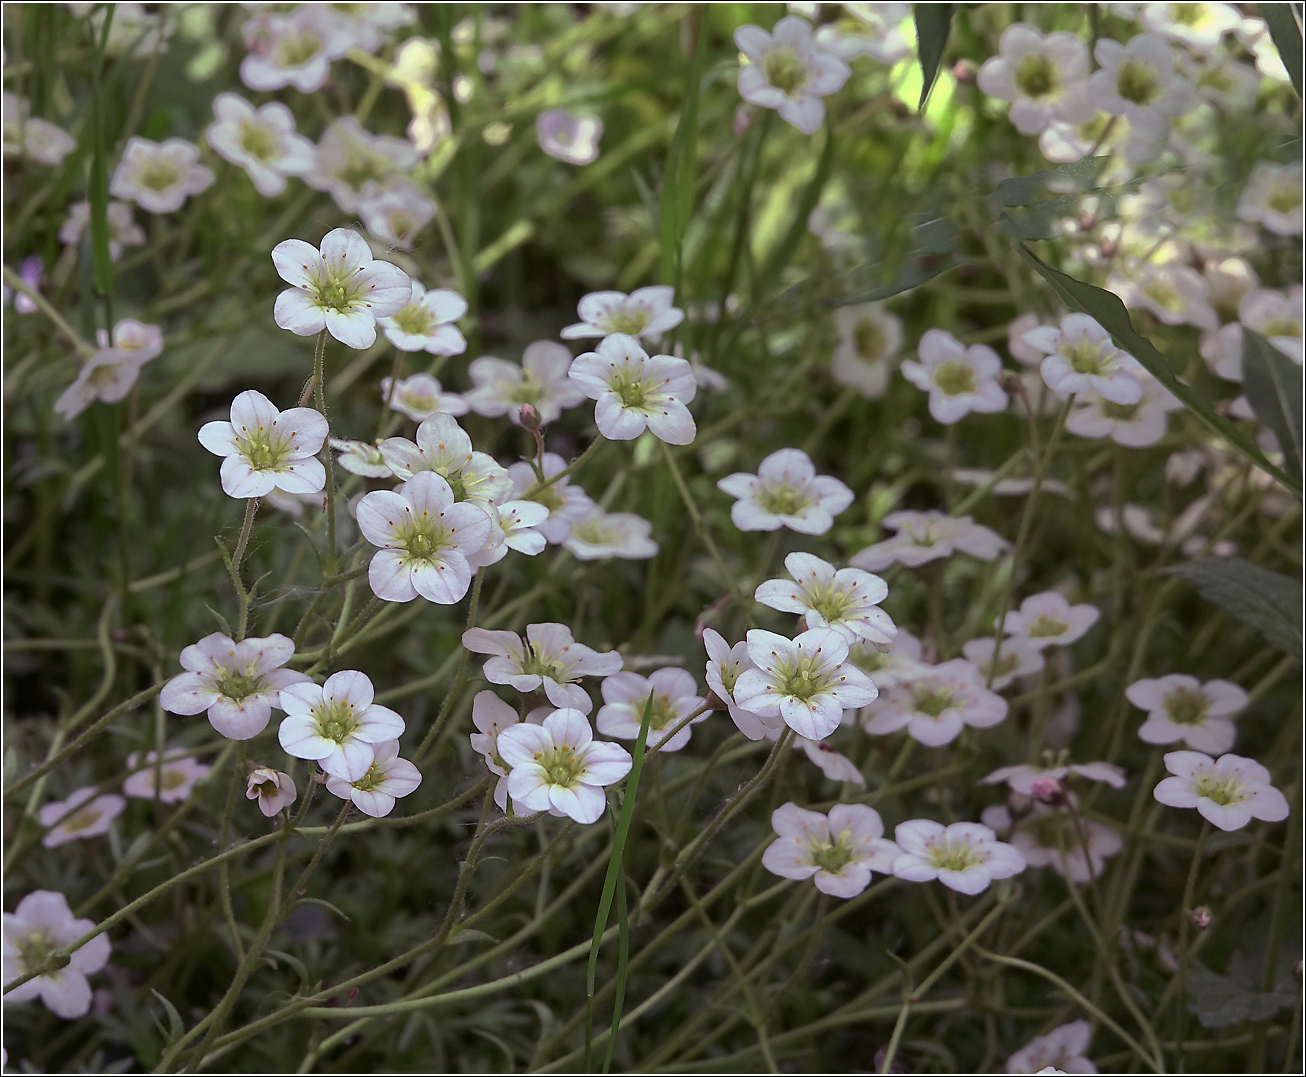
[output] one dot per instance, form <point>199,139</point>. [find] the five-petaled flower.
<point>387,777</point>
<point>170,780</point>
<point>959,379</point>
<point>1049,620</point>
<point>965,857</point>
<point>645,312</point>
<point>935,706</point>
<point>337,723</point>
<point>1230,791</point>
<point>845,600</point>
<point>786,492</point>
<point>558,766</point>
<point>548,658</point>
<point>1181,708</point>
<point>837,852</point>
<point>626,695</point>
<point>40,925</point>
<point>83,815</point>
<point>635,391</point>
<point>789,71</point>
<point>264,449</point>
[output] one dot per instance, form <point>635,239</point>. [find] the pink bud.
<point>529,417</point>
<point>1201,917</point>
<point>1046,789</point>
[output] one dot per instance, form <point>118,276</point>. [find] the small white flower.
<point>336,723</point>
<point>965,857</point>
<point>123,229</point>
<point>959,379</point>
<point>837,852</point>
<point>340,288</point>
<point>625,695</point>
<point>1273,198</point>
<point>1021,779</point>
<point>936,706</point>
<point>786,492</point>
<point>395,212</point>
<point>1196,26</point>
<point>549,658</point>
<point>159,176</point>
<point>869,340</point>
<point>425,539</point>
<point>265,449</point>
<point>559,767</point>
<point>789,72</point>
<point>1066,143</point>
<point>386,778</point>
<point>1063,1046</point>
<point>1223,81</point>
<point>807,681</point>
<point>565,501</point>
<point>834,765</point>
<point>443,447</point>
<point>349,158</point>
<point>41,924</point>
<point>635,391</point>
<point>26,136</point>
<point>1137,80</point>
<point>491,716</point>
<point>1051,837</point>
<point>645,312</point>
<point>238,684</point>
<point>361,458</point>
<point>846,600</point>
<point>874,31</point>
<point>1048,620</point>
<point>1044,78</point>
<point>369,25</point>
<point>1018,657</point>
<point>176,776</point>
<point>294,49</point>
<point>900,664</point>
<point>513,527</point>
<point>425,323</point>
<point>540,380</point>
<point>567,137</point>
<point>598,535</point>
<point>927,536</point>
<point>1132,425</point>
<point>1175,293</point>
<point>111,372</point>
<point>86,813</point>
<point>1181,708</point>
<point>420,397</point>
<point>1082,358</point>
<point>724,665</point>
<point>1230,791</point>
<point>262,141</point>
<point>1276,316</point>
<point>273,789</point>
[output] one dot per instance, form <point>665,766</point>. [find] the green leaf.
<point>1050,194</point>
<point>1273,384</point>
<point>176,1027</point>
<point>1269,602</point>
<point>1111,314</point>
<point>102,264</point>
<point>1219,1002</point>
<point>784,250</point>
<point>678,180</point>
<point>933,22</point>
<point>1284,21</point>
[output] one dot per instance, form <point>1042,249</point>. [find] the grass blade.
<point>933,23</point>
<point>102,264</point>
<point>678,181</point>
<point>1273,384</point>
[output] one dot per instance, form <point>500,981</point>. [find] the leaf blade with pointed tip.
<point>1286,33</point>
<point>1267,601</point>
<point>933,23</point>
<point>1273,385</point>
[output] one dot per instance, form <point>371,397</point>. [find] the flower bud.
<point>1047,790</point>
<point>1201,917</point>
<point>529,417</point>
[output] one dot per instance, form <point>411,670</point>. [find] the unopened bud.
<point>964,71</point>
<point>1201,917</point>
<point>1047,790</point>
<point>529,417</point>
<point>1013,385</point>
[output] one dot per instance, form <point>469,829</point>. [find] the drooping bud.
<point>529,417</point>
<point>1201,917</point>
<point>1047,790</point>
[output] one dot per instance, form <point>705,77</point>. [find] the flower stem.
<point>319,373</point>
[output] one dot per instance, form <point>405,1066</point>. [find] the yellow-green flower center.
<point>415,319</point>
<point>159,174</point>
<point>375,776</point>
<point>1046,627</point>
<point>785,71</point>
<point>833,856</point>
<point>1088,357</point>
<point>804,679</point>
<point>1036,76</point>
<point>869,339</point>
<point>257,141</point>
<point>1183,706</point>
<point>932,699</point>
<point>832,603</point>
<point>1223,791</point>
<point>629,321</point>
<point>1137,83</point>
<point>629,387</point>
<point>782,499</point>
<point>33,949</point>
<point>955,378</point>
<point>297,51</point>
<point>236,686</point>
<point>335,721</point>
<point>264,449</point>
<point>423,538</point>
<point>81,820</point>
<point>954,857</point>
<point>561,765</point>
<point>1284,198</point>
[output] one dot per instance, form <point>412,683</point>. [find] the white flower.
<point>936,706</point>
<point>265,449</point>
<point>598,535</point>
<point>548,658</point>
<point>26,136</point>
<point>566,502</point>
<point>41,924</point>
<point>1276,316</point>
<point>635,391</point>
<point>540,380</point>
<point>874,33</point>
<point>1180,707</point>
<point>1197,26</point>
<point>927,536</point>
<point>788,71</point>
<point>837,852</point>
<point>349,158</point>
<point>340,288</point>
<point>85,814</point>
<point>443,447</point>
<point>1138,81</point>
<point>959,379</point>
<point>1066,143</point>
<point>361,458</point>
<point>558,767</point>
<point>1175,293</point>
<point>646,312</point>
<point>786,492</point>
<point>724,665</point>
<point>1044,78</point>
<point>625,695</point>
<point>1082,358</point>
<point>425,539</point>
<point>159,176</point>
<point>368,25</point>
<point>294,49</point>
<point>491,716</point>
<point>123,229</point>
<point>273,789</point>
<point>965,857</point>
<point>846,600</point>
<point>1018,657</point>
<point>834,765</point>
<point>262,141</point>
<point>1063,1046</point>
<point>176,777</point>
<point>395,212</point>
<point>567,137</point>
<point>1223,81</point>
<point>1230,791</point>
<point>425,323</point>
<point>336,723</point>
<point>1132,425</point>
<point>1273,198</point>
<point>238,684</point>
<point>111,372</point>
<point>869,340</point>
<point>513,527</point>
<point>1051,837</point>
<point>420,397</point>
<point>807,681</point>
<point>1048,620</point>
<point>1022,778</point>
<point>386,778</point>
<point>898,665</point>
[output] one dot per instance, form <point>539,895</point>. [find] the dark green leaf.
<point>933,22</point>
<point>1284,21</point>
<point>99,192</point>
<point>1219,1002</point>
<point>1050,194</point>
<point>678,180</point>
<point>1269,602</point>
<point>175,1024</point>
<point>1273,384</point>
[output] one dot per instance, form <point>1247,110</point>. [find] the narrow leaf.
<point>933,22</point>
<point>1284,21</point>
<point>175,1024</point>
<point>1273,384</point>
<point>102,264</point>
<point>678,180</point>
<point>1268,601</point>
<point>784,250</point>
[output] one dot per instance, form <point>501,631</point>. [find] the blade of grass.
<point>678,180</point>
<point>623,959</point>
<point>102,264</point>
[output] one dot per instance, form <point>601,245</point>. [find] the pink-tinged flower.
<point>928,536</point>
<point>869,341</point>
<point>645,312</point>
<point>1081,358</point>
<point>340,288</point>
<point>837,852</point>
<point>395,212</point>
<point>873,31</point>
<point>262,141</point>
<point>937,705</point>
<point>37,140</point>
<point>1062,1049</point>
<point>786,492</point>
<point>540,380</point>
<point>41,924</point>
<point>1175,293</point>
<point>171,781</point>
<point>444,448</point>
<point>900,664</point>
<point>598,535</point>
<point>123,229</point>
<point>635,391</point>
<point>425,539</point>
<point>85,814</point>
<point>834,765</point>
<point>273,789</point>
<point>1273,198</point>
<point>1017,657</point>
<point>1049,620</point>
<point>264,449</point>
<point>559,767</point>
<point>1132,425</point>
<point>965,857</point>
<point>845,600</point>
<point>110,374</point>
<point>1197,26</point>
<point>336,723</point>
<point>1181,708</point>
<point>724,665</point>
<point>238,684</point>
<point>1044,78</point>
<point>1016,346</point>
<point>420,397</point>
<point>513,527</point>
<point>807,681</point>
<point>1051,837</point>
<point>567,137</point>
<point>386,778</point>
<point>548,658</point>
<point>369,25</point>
<point>625,695</point>
<point>1230,791</point>
<point>565,501</point>
<point>789,72</point>
<point>492,716</point>
<point>159,176</point>
<point>349,158</point>
<point>294,49</point>
<point>1276,316</point>
<point>959,379</point>
<point>1021,779</point>
<point>425,324</point>
<point>1138,81</point>
<point>361,458</point>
